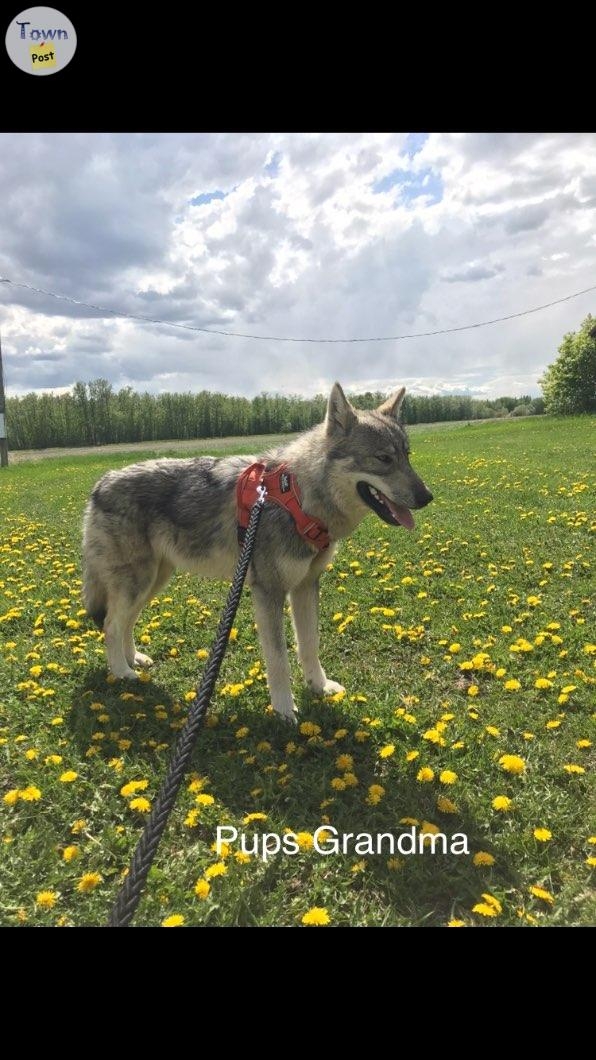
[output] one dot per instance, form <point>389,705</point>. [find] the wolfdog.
<point>146,520</point>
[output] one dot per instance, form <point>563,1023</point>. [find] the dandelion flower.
<point>69,853</point>
<point>484,909</point>
<point>387,750</point>
<point>344,762</point>
<point>570,767</point>
<point>425,775</point>
<point>89,881</point>
<point>219,869</point>
<point>140,805</point>
<point>46,899</point>
<point>456,923</point>
<point>513,685</point>
<point>33,794</point>
<point>483,858</point>
<point>11,797</point>
<point>445,805</point>
<point>512,764</point>
<point>540,892</point>
<point>202,889</point>
<point>502,803</point>
<point>204,800</point>
<point>254,817</point>
<point>133,786</point>
<point>317,916</point>
<point>448,777</point>
<point>68,777</point>
<point>175,920</point>
<point>542,835</point>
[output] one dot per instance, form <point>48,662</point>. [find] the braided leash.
<point>129,896</point>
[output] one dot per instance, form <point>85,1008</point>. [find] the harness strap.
<point>282,489</point>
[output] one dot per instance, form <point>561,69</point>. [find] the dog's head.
<point>372,450</point>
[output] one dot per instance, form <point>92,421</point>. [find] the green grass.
<point>503,553</point>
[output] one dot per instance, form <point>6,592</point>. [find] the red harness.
<point>282,489</point>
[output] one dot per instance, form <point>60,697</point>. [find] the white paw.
<point>126,674</point>
<point>329,688</point>
<point>287,712</point>
<point>142,660</point>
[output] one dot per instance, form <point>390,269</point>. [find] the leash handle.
<point>129,895</point>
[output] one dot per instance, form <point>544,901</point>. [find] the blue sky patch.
<point>414,143</point>
<point>412,185</point>
<point>207,196</point>
<point>272,167</point>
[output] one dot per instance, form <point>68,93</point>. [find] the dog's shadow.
<point>255,762</point>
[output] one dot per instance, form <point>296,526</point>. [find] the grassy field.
<point>468,660</point>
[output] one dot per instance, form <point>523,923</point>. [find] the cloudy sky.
<point>308,235</point>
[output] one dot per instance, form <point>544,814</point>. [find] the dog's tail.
<point>94,590</point>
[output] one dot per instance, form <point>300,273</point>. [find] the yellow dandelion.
<point>412,755</point>
<point>483,858</point>
<point>89,881</point>
<point>11,797</point>
<point>445,805</point>
<point>317,916</point>
<point>456,923</point>
<point>512,764</point>
<point>202,889</point>
<point>387,750</point>
<point>33,794</point>
<point>570,767</point>
<point>46,899</point>
<point>502,803</point>
<point>513,685</point>
<point>219,869</point>
<point>70,853</point>
<point>425,775</point>
<point>204,800</point>
<point>140,805</point>
<point>447,776</point>
<point>542,835</point>
<point>544,895</point>
<point>68,777</point>
<point>254,817</point>
<point>344,762</point>
<point>175,920</point>
<point>133,786</point>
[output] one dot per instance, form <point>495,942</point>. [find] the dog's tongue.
<point>402,514</point>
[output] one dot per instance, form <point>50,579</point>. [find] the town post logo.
<point>41,40</point>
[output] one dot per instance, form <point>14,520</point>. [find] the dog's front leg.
<point>269,613</point>
<point>305,612</point>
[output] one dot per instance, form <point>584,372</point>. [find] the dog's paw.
<point>125,675</point>
<point>331,688</point>
<point>142,660</point>
<point>287,712</point>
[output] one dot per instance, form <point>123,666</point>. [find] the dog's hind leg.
<point>129,588</point>
<point>269,613</point>
<point>305,613</point>
<point>162,577</point>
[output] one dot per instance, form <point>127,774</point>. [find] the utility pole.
<point>3,441</point>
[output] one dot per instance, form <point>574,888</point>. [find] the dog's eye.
<point>384,458</point>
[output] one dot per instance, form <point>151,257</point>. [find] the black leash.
<point>129,896</point>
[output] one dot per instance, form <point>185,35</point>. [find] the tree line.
<point>97,414</point>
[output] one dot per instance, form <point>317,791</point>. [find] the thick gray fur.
<point>146,520</point>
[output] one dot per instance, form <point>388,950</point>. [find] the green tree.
<point>569,384</point>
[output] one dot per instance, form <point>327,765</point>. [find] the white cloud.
<point>312,235</point>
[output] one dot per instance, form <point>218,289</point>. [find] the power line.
<point>281,338</point>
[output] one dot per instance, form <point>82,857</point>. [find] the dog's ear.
<point>340,414</point>
<point>392,405</point>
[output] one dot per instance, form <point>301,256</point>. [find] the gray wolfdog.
<point>143,522</point>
